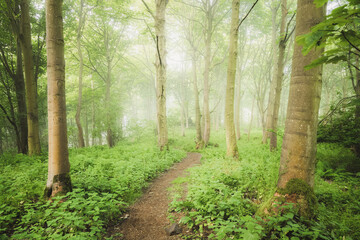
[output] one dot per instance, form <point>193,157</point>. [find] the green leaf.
<point>320,3</point>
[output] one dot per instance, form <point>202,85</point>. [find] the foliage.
<point>105,182</point>
<point>341,128</point>
<point>225,196</point>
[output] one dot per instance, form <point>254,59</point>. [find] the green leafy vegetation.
<point>226,197</point>
<point>104,181</point>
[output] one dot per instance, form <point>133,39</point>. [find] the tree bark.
<point>299,145</point>
<point>279,69</point>
<point>81,142</point>
<point>160,64</point>
<point>231,147</point>
<point>109,135</point>
<point>270,108</point>
<point>251,118</point>
<point>238,107</point>
<point>59,181</point>
<point>199,142</point>
<point>206,107</point>
<point>30,83</point>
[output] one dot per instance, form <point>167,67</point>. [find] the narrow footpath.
<point>147,218</point>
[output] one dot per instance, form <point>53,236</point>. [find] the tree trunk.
<point>238,107</point>
<point>182,120</point>
<point>81,142</point>
<point>30,83</point>
<point>59,181</point>
<point>206,107</point>
<point>299,145</point>
<point>109,137</point>
<point>357,107</point>
<point>278,78</point>
<point>86,129</point>
<point>199,142</point>
<point>270,108</point>
<point>160,64</point>
<point>21,100</point>
<point>231,147</point>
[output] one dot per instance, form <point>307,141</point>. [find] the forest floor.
<point>147,218</point>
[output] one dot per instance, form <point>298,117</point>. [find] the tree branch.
<point>242,20</point>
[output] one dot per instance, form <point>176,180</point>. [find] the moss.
<point>61,185</point>
<point>306,198</point>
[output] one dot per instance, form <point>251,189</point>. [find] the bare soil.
<point>147,218</point>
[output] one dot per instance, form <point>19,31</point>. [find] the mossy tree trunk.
<point>160,64</point>
<point>59,181</point>
<point>231,147</point>
<point>299,145</point>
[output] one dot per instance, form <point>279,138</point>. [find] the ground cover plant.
<point>105,180</point>
<point>226,197</point>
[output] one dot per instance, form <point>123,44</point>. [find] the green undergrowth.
<point>105,181</point>
<point>224,195</point>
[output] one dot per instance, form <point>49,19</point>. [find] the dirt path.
<point>147,218</point>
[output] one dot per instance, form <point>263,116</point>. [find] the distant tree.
<point>59,181</point>
<point>299,145</point>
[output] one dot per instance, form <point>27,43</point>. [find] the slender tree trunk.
<point>251,118</point>
<point>357,107</point>
<point>299,145</point>
<point>81,142</point>
<point>231,147</point>
<point>270,108</point>
<point>199,142</point>
<point>59,181</point>
<point>278,78</point>
<point>93,135</point>
<point>30,83</point>
<point>109,137</point>
<point>238,107</point>
<point>160,64</point>
<point>206,107</point>
<point>21,100</point>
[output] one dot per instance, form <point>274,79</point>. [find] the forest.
<point>180,119</point>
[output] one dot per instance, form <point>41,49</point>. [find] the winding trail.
<point>147,218</point>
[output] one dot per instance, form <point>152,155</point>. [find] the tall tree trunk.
<point>299,145</point>
<point>231,147</point>
<point>87,144</point>
<point>81,67</point>
<point>21,100</point>
<point>160,64</point>
<point>270,108</point>
<point>30,83</point>
<point>279,78</point>
<point>109,137</point>
<point>206,107</point>
<point>93,135</point>
<point>199,142</point>
<point>59,181</point>
<point>238,107</point>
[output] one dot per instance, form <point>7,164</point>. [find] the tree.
<point>59,181</point>
<point>160,65</point>
<point>81,67</point>
<point>299,145</point>
<point>30,83</point>
<point>231,149</point>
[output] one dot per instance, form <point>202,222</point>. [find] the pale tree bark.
<point>239,95</point>
<point>199,141</point>
<point>231,147</point>
<point>270,108</point>
<point>279,69</point>
<point>81,67</point>
<point>160,64</point>
<point>59,181</point>
<point>206,104</point>
<point>30,83</point>
<point>299,145</point>
<point>109,120</point>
